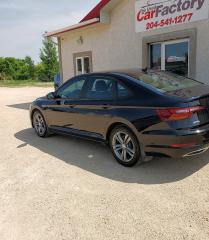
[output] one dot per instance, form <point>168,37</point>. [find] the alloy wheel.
<point>123,146</point>
<point>39,124</point>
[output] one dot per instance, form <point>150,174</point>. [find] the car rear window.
<point>165,82</point>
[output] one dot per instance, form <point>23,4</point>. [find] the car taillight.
<point>174,114</point>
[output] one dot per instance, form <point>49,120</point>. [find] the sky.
<point>23,22</point>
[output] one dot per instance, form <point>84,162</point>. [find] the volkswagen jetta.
<point>137,113</point>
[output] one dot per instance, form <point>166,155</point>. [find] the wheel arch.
<point>32,113</point>
<point>130,128</point>
<point>121,124</point>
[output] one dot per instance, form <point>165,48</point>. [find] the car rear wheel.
<point>125,147</point>
<point>40,125</point>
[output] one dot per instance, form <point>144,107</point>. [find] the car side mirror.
<point>51,95</point>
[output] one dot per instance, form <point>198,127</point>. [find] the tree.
<point>31,67</point>
<point>21,70</point>
<point>39,71</point>
<point>8,67</point>
<point>17,69</point>
<point>25,69</point>
<point>49,61</point>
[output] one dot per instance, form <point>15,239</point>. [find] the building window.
<point>82,63</point>
<point>155,56</point>
<point>170,56</point>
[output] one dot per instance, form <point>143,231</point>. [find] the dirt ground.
<point>62,188</point>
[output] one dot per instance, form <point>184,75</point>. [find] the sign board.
<point>155,14</point>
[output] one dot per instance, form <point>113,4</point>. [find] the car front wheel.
<point>125,147</point>
<point>40,125</point>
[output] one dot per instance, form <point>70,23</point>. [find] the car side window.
<point>72,90</point>
<point>122,91</point>
<point>100,89</point>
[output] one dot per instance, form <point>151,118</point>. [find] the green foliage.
<point>49,61</point>
<point>3,77</point>
<point>7,68</point>
<point>39,70</point>
<point>25,69</point>
<point>30,67</point>
<point>17,69</point>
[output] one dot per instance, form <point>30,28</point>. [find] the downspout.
<point>60,57</point>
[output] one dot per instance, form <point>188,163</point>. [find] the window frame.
<point>82,64</point>
<point>82,55</point>
<point>190,33</point>
<point>163,49</point>
<point>70,82</point>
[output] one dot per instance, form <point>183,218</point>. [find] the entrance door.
<point>171,56</point>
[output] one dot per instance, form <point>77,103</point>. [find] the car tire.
<point>125,146</point>
<point>39,124</point>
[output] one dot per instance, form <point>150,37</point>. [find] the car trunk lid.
<point>189,94</point>
<point>195,96</point>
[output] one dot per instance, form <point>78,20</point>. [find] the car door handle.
<point>67,104</point>
<point>62,102</point>
<point>106,106</point>
<point>72,106</point>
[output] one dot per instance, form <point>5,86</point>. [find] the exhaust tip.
<point>197,152</point>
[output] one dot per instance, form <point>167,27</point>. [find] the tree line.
<point>25,69</point>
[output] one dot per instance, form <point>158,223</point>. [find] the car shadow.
<point>23,106</point>
<point>97,158</point>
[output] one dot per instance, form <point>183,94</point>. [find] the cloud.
<point>22,23</point>
<point>26,39</point>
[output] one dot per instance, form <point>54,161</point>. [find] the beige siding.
<point>117,45</point>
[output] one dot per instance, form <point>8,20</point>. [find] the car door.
<point>63,114</point>
<point>97,105</point>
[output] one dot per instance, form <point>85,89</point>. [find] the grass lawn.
<point>25,83</point>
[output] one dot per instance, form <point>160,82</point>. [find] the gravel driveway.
<point>62,188</point>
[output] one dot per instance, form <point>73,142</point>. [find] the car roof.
<point>133,72</point>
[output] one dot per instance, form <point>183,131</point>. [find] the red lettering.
<point>139,17</point>
<point>146,16</point>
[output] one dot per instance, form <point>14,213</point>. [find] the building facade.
<point>117,34</point>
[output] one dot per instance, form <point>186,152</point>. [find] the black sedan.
<point>137,113</point>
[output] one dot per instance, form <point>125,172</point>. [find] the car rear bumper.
<point>176,144</point>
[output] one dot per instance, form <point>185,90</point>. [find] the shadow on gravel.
<point>97,158</point>
<point>23,106</point>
